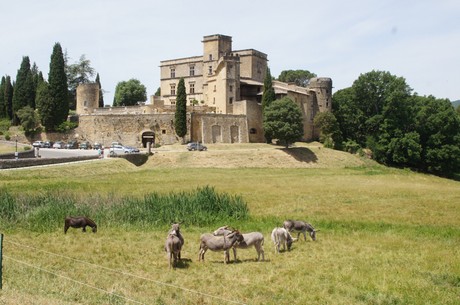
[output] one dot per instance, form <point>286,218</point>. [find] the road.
<point>63,153</point>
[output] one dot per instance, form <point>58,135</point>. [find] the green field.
<point>387,236</point>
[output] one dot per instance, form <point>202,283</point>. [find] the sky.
<point>418,40</point>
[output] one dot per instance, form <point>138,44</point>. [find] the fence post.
<point>1,260</point>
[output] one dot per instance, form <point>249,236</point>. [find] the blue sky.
<point>417,40</point>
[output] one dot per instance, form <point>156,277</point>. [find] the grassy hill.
<point>456,103</point>
<point>387,236</point>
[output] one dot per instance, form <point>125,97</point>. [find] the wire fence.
<point>159,283</point>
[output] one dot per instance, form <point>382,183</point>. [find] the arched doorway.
<point>234,134</point>
<point>148,137</point>
<point>216,134</point>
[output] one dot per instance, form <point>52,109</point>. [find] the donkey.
<point>173,247</point>
<point>219,243</point>
<point>175,229</point>
<point>79,222</point>
<point>255,239</point>
<point>300,227</point>
<point>282,237</point>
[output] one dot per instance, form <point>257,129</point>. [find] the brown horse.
<point>79,222</point>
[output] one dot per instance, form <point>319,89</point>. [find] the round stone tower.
<point>323,88</point>
<point>87,98</point>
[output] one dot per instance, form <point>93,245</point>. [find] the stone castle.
<point>224,90</point>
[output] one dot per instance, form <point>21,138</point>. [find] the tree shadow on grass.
<point>301,154</point>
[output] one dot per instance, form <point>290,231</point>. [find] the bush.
<point>66,126</point>
<point>351,146</point>
<point>45,213</point>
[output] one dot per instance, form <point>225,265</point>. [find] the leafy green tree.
<point>129,93</point>
<point>3,113</point>
<point>78,73</point>
<point>268,97</point>
<point>330,134</point>
<point>57,80</point>
<point>29,119</point>
<point>158,92</point>
<point>101,94</point>
<point>9,90</point>
<point>44,107</point>
<point>24,91</point>
<point>299,77</point>
<point>180,116</point>
<point>283,120</point>
<point>439,128</point>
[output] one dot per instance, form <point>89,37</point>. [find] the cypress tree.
<point>180,122</point>
<point>24,93</point>
<point>44,106</point>
<point>57,80</point>
<point>9,97</point>
<point>267,98</point>
<point>2,98</point>
<point>101,96</point>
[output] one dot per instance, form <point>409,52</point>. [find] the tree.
<point>101,95</point>
<point>283,120</point>
<point>78,73</point>
<point>44,107</point>
<point>9,91</point>
<point>268,97</point>
<point>330,135</point>
<point>180,116</point>
<point>57,80</point>
<point>158,92</point>
<point>2,98</point>
<point>28,118</point>
<point>299,77</point>
<point>24,91</point>
<point>129,93</point>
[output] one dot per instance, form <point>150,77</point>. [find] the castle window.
<point>173,102</point>
<point>214,100</point>
<point>192,70</point>
<point>173,89</point>
<point>214,88</point>
<point>230,88</point>
<point>173,73</point>
<point>192,88</point>
<point>163,131</point>
<point>230,101</point>
<point>252,131</point>
<point>210,56</point>
<point>210,70</point>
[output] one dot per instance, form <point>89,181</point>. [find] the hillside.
<point>456,103</point>
<point>301,155</point>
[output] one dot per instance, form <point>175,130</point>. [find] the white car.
<point>40,144</point>
<point>117,149</point>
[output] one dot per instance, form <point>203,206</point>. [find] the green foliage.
<point>158,92</point>
<point>180,116</point>
<point>5,124</point>
<point>101,93</point>
<point>78,73</point>
<point>129,93</point>
<point>201,207</point>
<point>330,129</point>
<point>66,126</point>
<point>29,119</point>
<point>299,77</point>
<point>24,91</point>
<point>401,129</point>
<point>57,107</point>
<point>3,113</point>
<point>268,97</point>
<point>283,120</point>
<point>8,93</point>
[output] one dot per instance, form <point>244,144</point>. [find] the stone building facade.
<point>224,90</point>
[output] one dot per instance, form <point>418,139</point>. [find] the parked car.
<point>196,146</point>
<point>71,145</point>
<point>38,144</point>
<point>85,145</point>
<point>97,146</point>
<point>131,149</point>
<point>48,144</point>
<point>117,149</point>
<point>59,145</point>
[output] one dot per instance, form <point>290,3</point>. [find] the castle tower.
<point>322,86</point>
<point>87,98</point>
